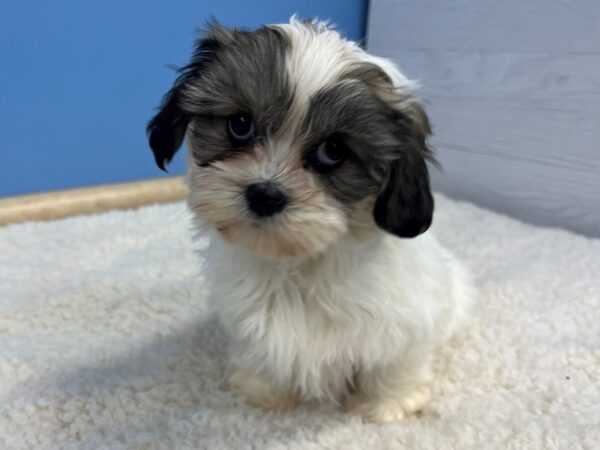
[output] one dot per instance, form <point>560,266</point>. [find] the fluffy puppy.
<point>307,169</point>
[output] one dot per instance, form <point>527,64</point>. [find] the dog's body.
<point>364,315</point>
<point>307,167</point>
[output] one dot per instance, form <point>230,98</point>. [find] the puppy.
<point>307,170</point>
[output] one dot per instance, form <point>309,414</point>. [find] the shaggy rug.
<point>105,343</point>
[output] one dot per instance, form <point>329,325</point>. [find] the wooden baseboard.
<point>71,202</point>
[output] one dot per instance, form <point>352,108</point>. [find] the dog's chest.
<point>313,314</point>
<point>303,334</point>
<point>313,326</point>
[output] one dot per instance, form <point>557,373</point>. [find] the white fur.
<point>320,55</point>
<point>370,305</point>
<point>352,313</point>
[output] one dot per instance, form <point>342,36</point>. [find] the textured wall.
<point>514,95</point>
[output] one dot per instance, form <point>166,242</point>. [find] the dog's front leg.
<point>392,392</point>
<point>259,391</point>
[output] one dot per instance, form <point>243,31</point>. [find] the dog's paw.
<point>260,392</point>
<point>389,409</point>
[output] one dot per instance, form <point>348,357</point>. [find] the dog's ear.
<point>404,206</point>
<point>166,130</point>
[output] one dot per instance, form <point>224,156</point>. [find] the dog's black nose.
<point>265,199</point>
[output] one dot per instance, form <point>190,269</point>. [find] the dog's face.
<point>295,135</point>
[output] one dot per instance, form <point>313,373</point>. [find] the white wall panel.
<point>513,89</point>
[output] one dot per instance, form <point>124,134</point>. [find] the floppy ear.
<point>404,206</point>
<point>166,129</point>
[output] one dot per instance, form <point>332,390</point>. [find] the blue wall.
<point>80,79</point>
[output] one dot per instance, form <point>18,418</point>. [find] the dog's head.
<point>295,135</point>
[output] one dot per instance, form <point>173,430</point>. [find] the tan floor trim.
<point>71,202</point>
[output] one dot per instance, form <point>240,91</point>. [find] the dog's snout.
<point>265,199</point>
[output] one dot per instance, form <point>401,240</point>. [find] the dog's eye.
<point>241,128</point>
<point>328,156</point>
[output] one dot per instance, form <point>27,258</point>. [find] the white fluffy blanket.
<point>105,343</point>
